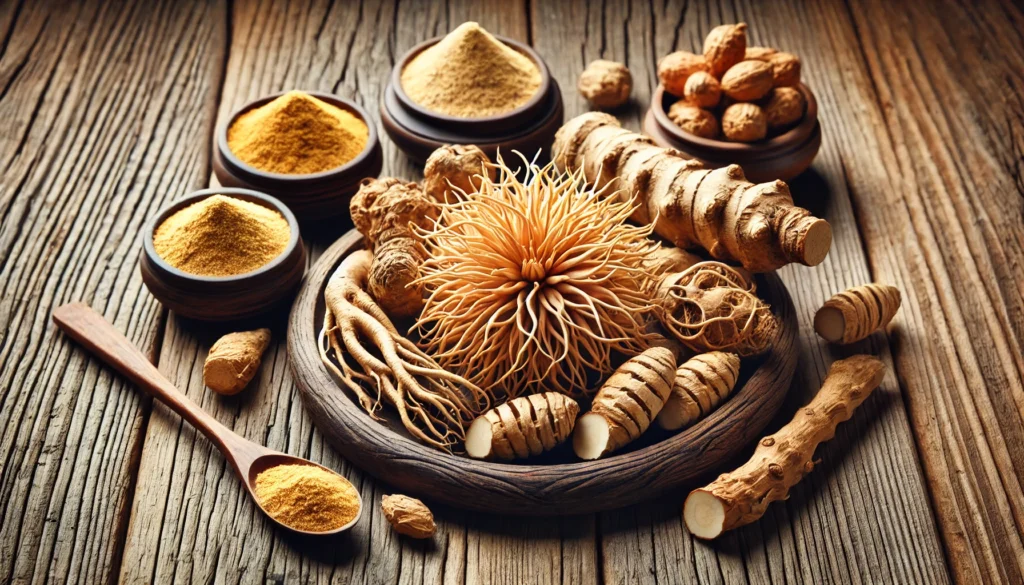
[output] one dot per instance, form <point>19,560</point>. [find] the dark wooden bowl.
<point>419,131</point>
<point>223,298</point>
<point>313,196</point>
<point>780,157</point>
<point>555,483</point>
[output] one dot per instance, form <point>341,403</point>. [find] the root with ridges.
<point>524,426</point>
<point>856,313</point>
<point>701,384</point>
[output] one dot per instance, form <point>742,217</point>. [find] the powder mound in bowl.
<point>306,497</point>
<point>470,74</point>
<point>297,134</point>
<point>221,236</point>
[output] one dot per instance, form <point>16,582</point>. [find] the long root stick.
<point>783,459</point>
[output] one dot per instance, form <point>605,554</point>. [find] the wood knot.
<point>767,441</point>
<point>775,470</point>
<point>809,411</point>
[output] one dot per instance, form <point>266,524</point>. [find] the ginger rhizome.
<point>454,169</point>
<point>626,404</point>
<point>524,426</point>
<point>669,259</point>
<point>234,359</point>
<point>605,84</point>
<point>408,516</point>
<point>855,313</point>
<point>384,210</point>
<point>534,286</point>
<point>433,404</point>
<point>711,306</point>
<point>781,460</point>
<point>691,205</point>
<point>701,384</point>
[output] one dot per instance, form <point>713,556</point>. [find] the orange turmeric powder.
<point>306,497</point>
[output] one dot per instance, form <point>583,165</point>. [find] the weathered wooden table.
<point>107,110</point>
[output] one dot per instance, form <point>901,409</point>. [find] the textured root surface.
<point>701,385</point>
<point>525,426</point>
<point>856,313</point>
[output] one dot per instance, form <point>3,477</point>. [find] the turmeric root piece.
<point>456,167</point>
<point>626,404</point>
<point>783,459</point>
<point>525,426</point>
<point>383,210</point>
<point>691,205</point>
<point>234,359</point>
<point>856,313</point>
<point>434,405</point>
<point>408,516</point>
<point>713,307</point>
<point>701,384</point>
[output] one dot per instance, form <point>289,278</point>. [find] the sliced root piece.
<point>525,426</point>
<point>856,313</point>
<point>701,384</point>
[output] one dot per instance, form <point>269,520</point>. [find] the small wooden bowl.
<point>779,157</point>
<point>223,298</point>
<point>314,196</point>
<point>419,131</point>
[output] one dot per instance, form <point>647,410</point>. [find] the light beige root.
<point>234,359</point>
<point>433,405</point>
<point>626,404</point>
<point>856,313</point>
<point>525,426</point>
<point>408,516</point>
<point>781,460</point>
<point>455,170</point>
<point>701,384</point>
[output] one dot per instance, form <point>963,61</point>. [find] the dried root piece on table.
<point>675,68</point>
<point>701,384</point>
<point>713,307</point>
<point>725,46</point>
<point>626,404</point>
<point>234,359</point>
<point>525,426</point>
<point>383,210</point>
<point>408,516</point>
<point>855,313</point>
<point>781,460</point>
<point>432,403</point>
<point>691,205</point>
<point>606,84</point>
<point>453,169</point>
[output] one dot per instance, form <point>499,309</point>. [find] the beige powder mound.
<point>470,74</point>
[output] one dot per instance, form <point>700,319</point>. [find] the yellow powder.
<point>297,134</point>
<point>470,74</point>
<point>307,498</point>
<point>221,236</point>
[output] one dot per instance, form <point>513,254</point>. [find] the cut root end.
<point>592,436</point>
<point>704,515</point>
<point>479,439</point>
<point>830,323</point>
<point>817,241</point>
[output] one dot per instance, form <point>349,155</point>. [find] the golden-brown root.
<point>432,404</point>
<point>234,359</point>
<point>691,205</point>
<point>408,516</point>
<point>855,313</point>
<point>525,426</point>
<point>701,384</point>
<point>668,259</point>
<point>383,211</point>
<point>626,404</point>
<point>454,170</point>
<point>783,459</point>
<point>713,307</point>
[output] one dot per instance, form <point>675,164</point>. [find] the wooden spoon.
<point>90,329</point>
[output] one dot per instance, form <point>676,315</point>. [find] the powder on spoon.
<point>470,74</point>
<point>221,236</point>
<point>306,497</point>
<point>297,134</point>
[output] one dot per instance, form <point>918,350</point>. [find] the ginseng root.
<point>525,426</point>
<point>626,404</point>
<point>712,307</point>
<point>783,459</point>
<point>853,314</point>
<point>701,384</point>
<point>432,404</point>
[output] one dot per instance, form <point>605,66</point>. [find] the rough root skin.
<point>629,401</point>
<point>693,206</point>
<point>408,516</point>
<point>454,170</point>
<point>701,385</point>
<point>856,313</point>
<point>523,427</point>
<point>383,211</point>
<point>431,403</point>
<point>234,359</point>
<point>713,307</point>
<point>781,460</point>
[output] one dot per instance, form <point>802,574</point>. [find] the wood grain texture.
<point>99,130</point>
<point>864,514</point>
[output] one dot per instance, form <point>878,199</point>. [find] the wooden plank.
<point>864,515</point>
<point>191,520</point>
<point>99,131</point>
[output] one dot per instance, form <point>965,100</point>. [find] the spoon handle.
<point>81,323</point>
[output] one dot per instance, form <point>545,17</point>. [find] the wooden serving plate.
<point>555,483</point>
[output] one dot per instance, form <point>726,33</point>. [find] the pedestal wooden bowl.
<point>556,483</point>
